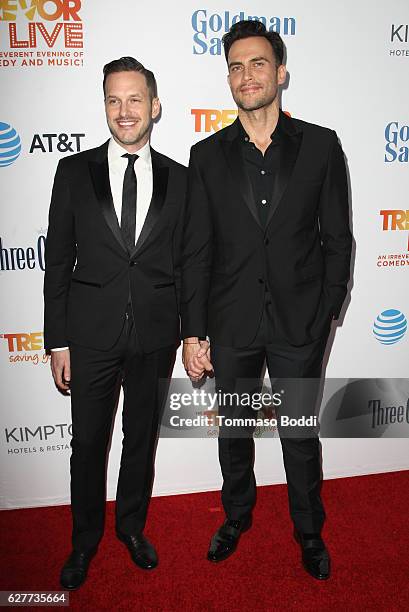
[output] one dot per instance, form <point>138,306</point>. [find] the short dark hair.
<point>249,28</point>
<point>129,64</point>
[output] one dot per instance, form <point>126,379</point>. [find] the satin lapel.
<point>241,180</point>
<point>100,178</point>
<point>160,185</point>
<point>289,148</point>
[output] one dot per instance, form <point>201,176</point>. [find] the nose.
<point>124,108</point>
<point>247,73</point>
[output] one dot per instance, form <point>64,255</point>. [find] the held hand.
<point>190,350</point>
<point>196,366</point>
<point>61,369</point>
<point>204,355</point>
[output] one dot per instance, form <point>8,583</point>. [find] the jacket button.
<point>133,263</point>
<point>261,281</point>
<point>266,241</point>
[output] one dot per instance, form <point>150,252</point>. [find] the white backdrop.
<point>348,65</point>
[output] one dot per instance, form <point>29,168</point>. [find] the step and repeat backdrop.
<point>348,64</point>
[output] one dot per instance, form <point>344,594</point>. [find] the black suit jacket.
<point>302,255</point>
<point>89,274</point>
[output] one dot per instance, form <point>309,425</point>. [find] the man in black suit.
<point>267,258</point>
<point>112,284</point>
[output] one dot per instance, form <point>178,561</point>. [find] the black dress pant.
<point>240,371</point>
<point>96,377</point>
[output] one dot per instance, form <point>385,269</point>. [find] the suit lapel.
<point>234,157</point>
<point>160,184</point>
<point>100,178</point>
<point>289,148</point>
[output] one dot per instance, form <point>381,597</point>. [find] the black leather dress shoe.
<point>225,540</point>
<point>315,556</point>
<point>142,552</point>
<point>75,569</point>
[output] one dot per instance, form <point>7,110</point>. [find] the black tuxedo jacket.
<point>89,274</point>
<point>302,255</point>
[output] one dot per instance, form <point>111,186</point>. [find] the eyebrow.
<point>134,95</point>
<point>253,59</point>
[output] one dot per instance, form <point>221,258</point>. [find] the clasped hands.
<point>196,358</point>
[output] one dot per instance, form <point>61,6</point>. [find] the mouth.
<point>126,123</point>
<point>249,89</point>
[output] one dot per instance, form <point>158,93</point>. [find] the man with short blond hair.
<point>111,308</point>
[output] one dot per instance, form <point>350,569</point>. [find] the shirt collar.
<point>116,151</point>
<point>244,137</point>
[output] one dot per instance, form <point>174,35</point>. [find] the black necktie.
<point>128,213</point>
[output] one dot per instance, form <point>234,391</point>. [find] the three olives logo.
<point>10,144</point>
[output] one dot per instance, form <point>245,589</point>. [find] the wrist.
<point>191,340</point>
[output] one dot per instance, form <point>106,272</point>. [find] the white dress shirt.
<point>143,170</point>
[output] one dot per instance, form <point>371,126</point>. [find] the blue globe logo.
<point>10,144</point>
<point>390,326</point>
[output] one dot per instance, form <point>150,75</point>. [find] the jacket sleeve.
<point>336,237</point>
<point>178,236</point>
<point>60,255</point>
<point>196,254</point>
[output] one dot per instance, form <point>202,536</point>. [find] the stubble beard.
<point>261,101</point>
<point>131,140</point>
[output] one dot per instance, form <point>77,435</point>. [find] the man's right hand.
<point>196,358</point>
<point>61,369</point>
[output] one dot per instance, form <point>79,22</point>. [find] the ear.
<point>155,108</point>
<point>281,74</point>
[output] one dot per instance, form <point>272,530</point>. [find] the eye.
<point>112,101</point>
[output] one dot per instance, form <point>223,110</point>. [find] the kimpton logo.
<point>390,326</point>
<point>399,38</point>
<point>10,144</point>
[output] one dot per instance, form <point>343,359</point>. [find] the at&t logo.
<point>10,144</point>
<point>390,326</point>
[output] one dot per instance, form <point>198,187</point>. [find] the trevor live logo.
<point>25,348</point>
<point>29,26</point>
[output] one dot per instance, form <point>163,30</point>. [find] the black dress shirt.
<point>261,169</point>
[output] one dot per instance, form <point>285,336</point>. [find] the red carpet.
<point>366,532</point>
